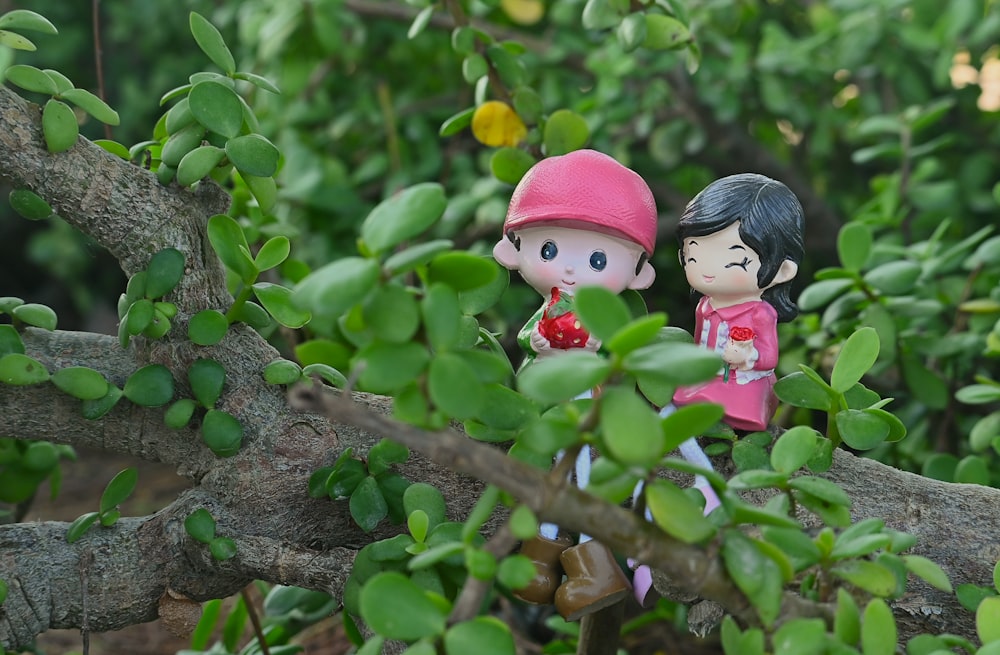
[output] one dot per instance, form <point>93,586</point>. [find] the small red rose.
<point>742,334</point>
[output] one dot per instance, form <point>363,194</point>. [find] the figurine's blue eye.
<point>549,251</point>
<point>598,260</point>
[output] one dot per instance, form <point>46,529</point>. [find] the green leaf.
<point>847,619</point>
<point>793,449</point>
<point>426,498</point>
<point>395,608</point>
<point>367,504</point>
<point>257,81</point>
<point>139,317</point>
<point>20,370</point>
<point>222,548</point>
<point>390,366</point>
<point>81,382</point>
<point>854,246</point>
<point>222,433</point>
<point>510,164</point>
<point>675,512</point>
<point>873,578</point>
<point>417,255</point>
<point>80,526</point>
<point>454,387</point>
<point>179,414</point>
<point>114,148</point>
<point>673,363</point>
<point>800,390</point>
<point>800,636</point>
<point>564,132</point>
<point>327,373</point>
<point>631,31</point>
<point>207,327</point>
<point>273,253</point>
<point>630,429</point>
<point>636,334</point>
<point>181,143</point>
<point>32,79</point>
<point>264,189</point>
<point>820,294</point>
<point>860,429</point>
<point>478,300</point>
<point>150,386</point>
<point>973,469</point>
<point>384,454</point>
<point>441,315</point>
<point>734,642</point>
<point>391,312</point>
<point>756,574</point>
<point>602,312</point>
<point>988,620</point>
<point>230,244</point>
<point>211,43</point>
<point>95,409</point>
<point>828,492</point>
<point>277,300</point>
<point>462,271</point>
<point>516,571</point>
<point>40,316</point>
<point>555,379</point>
<point>119,489</point>
<point>40,456</point>
<point>164,272</point>
<point>198,163</point>
<point>207,378</point>
<point>282,371</point>
<point>59,126</point>
<point>252,154</point>
<point>91,104</point>
<point>457,122</point>
<point>29,204</point>
<point>403,216</point>
<point>856,357</point>
<point>217,108</point>
<point>331,290</point>
<point>10,340</point>
<point>200,525</point>
<point>665,32</point>
<point>928,571</point>
<point>420,22</point>
<point>483,635</point>
<point>878,629</point>
<point>894,278</point>
<point>24,19</point>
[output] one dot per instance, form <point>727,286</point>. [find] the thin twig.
<point>255,620</point>
<point>98,57</point>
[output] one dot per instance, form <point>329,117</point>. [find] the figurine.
<point>741,246</point>
<point>575,220</point>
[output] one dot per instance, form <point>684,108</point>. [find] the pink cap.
<point>585,186</point>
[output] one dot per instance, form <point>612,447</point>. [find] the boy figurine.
<point>575,220</point>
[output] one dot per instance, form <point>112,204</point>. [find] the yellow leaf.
<point>525,12</point>
<point>496,124</point>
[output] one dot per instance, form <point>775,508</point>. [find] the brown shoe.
<point>544,554</point>
<point>594,581</point>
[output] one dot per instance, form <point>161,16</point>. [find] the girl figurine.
<point>575,220</point>
<point>741,246</point>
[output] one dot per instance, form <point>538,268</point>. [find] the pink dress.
<point>747,396</point>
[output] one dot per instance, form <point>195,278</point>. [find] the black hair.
<point>771,223</point>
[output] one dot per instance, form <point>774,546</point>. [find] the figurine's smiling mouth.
<point>708,278</point>
<point>568,283</point>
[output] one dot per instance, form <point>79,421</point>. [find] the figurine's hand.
<point>539,343</point>
<point>737,358</point>
<point>593,344</point>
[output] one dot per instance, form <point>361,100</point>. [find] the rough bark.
<point>115,576</point>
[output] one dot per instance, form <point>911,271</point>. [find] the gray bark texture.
<point>117,576</point>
